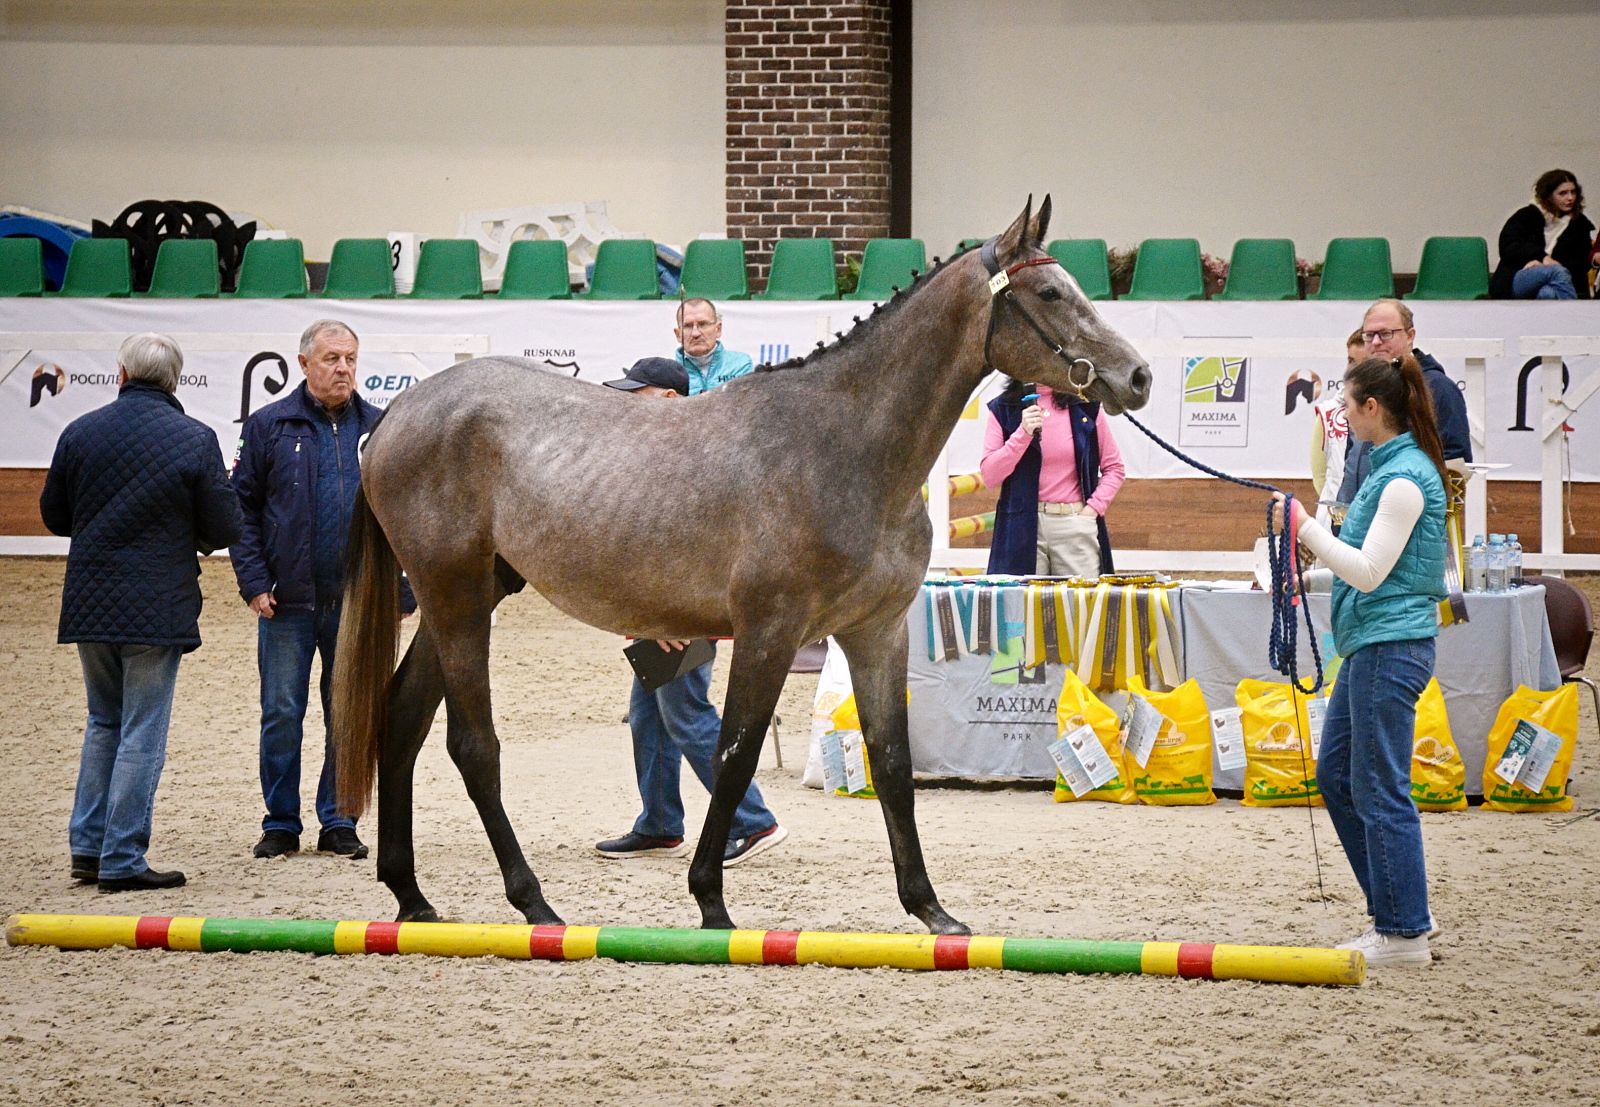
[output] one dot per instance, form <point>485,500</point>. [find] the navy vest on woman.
<point>1014,548</point>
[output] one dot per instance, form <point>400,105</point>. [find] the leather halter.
<point>1000,290</point>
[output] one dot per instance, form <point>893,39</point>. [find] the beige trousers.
<point>1068,546</point>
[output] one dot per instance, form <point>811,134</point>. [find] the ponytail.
<point>1401,390</point>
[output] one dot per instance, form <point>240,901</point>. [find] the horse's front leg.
<point>755,680</point>
<point>877,657</point>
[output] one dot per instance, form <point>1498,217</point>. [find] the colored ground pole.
<point>1267,964</point>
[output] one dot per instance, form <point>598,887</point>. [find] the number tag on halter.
<point>999,282</point>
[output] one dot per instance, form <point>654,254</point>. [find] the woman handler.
<point>1389,563</point>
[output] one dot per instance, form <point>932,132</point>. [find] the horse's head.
<point>1044,330</point>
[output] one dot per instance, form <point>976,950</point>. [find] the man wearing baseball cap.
<point>677,722</point>
<point>654,376</point>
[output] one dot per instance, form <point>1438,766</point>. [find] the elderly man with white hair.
<point>139,487</point>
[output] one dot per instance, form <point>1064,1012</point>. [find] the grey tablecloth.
<point>963,723</point>
<point>1480,662</point>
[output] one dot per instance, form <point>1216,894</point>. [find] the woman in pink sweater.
<point>1058,468</point>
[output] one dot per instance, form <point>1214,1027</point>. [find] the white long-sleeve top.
<point>1365,567</point>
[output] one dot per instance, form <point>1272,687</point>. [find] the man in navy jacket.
<point>1387,330</point>
<point>296,475</point>
<point>139,487</point>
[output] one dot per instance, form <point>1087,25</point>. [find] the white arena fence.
<point>1234,381</point>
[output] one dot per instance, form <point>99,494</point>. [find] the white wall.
<point>1225,119</point>
<point>360,117</point>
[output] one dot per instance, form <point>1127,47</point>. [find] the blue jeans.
<point>285,644</point>
<point>674,723</point>
<point>1543,282</point>
<point>1364,772</point>
<point>124,748</point>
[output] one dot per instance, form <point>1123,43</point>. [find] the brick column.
<point>808,132</point>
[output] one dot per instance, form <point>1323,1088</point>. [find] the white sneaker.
<point>1391,949</point>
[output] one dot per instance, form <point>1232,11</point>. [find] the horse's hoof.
<point>940,923</point>
<point>543,917</point>
<point>418,915</point>
<point>722,921</point>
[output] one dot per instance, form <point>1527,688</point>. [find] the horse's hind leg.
<point>413,698</point>
<point>755,680</point>
<point>877,657</point>
<point>460,618</point>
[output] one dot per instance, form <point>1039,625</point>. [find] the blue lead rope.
<point>1282,649</point>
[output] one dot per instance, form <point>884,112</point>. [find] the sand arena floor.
<point>1509,1012</point>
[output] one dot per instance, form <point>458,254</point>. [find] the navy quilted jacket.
<point>139,487</point>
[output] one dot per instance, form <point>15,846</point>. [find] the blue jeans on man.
<point>673,724</point>
<point>1364,773</point>
<point>285,645</point>
<point>124,748</point>
<point>1543,282</point>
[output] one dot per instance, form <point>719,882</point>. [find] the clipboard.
<point>655,666</point>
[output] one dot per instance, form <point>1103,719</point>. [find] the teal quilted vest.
<point>1405,605</point>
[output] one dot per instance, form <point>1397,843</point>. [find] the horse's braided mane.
<point>865,325</point>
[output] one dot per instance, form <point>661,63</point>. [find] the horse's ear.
<point>1042,223</point>
<point>1016,235</point>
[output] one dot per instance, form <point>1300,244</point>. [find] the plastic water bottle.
<point>1477,565</point>
<point>1495,563</point>
<point>1514,562</point>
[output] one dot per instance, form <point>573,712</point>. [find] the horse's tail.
<point>364,659</point>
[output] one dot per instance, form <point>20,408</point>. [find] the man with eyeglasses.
<point>700,349</point>
<point>1387,332</point>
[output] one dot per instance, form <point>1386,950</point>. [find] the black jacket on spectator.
<point>139,487</point>
<point>1522,241</point>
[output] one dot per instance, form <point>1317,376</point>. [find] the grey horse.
<point>786,506</point>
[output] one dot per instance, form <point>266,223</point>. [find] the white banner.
<point>1248,416</point>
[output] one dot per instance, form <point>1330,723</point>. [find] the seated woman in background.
<point>1058,468</point>
<point>1544,247</point>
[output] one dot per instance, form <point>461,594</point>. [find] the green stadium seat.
<point>713,268</point>
<point>186,269</point>
<point>1453,269</point>
<point>272,269</point>
<point>98,267</point>
<point>970,244</point>
<point>624,269</point>
<point>1261,269</point>
<point>360,269</point>
<point>802,269</point>
<point>536,269</point>
<point>21,266</point>
<point>447,269</point>
<point>888,263</point>
<point>1168,269</point>
<point>1085,259</point>
<point>1356,269</point>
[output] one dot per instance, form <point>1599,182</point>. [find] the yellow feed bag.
<point>1178,771</point>
<point>1438,776</point>
<point>1279,770</point>
<point>1555,711</point>
<point>1076,706</point>
<point>847,723</point>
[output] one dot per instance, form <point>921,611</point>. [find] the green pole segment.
<point>638,943</point>
<point>249,935</point>
<point>1070,955</point>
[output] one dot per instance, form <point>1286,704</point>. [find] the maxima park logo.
<point>1216,407</point>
